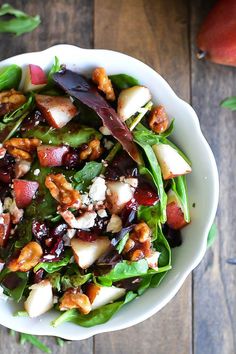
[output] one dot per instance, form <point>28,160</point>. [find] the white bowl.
<point>203,188</point>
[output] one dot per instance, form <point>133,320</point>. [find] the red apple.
<point>24,192</point>
<point>50,156</point>
<point>174,212</point>
<point>5,227</point>
<point>56,109</point>
<point>35,78</point>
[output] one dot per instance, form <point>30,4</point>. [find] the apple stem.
<point>201,54</point>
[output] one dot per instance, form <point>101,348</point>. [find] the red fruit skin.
<point>51,156</point>
<point>5,228</point>
<point>37,75</point>
<point>217,35</point>
<point>24,192</point>
<point>175,216</point>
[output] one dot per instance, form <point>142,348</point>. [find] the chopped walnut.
<point>22,148</point>
<point>91,151</point>
<point>158,120</point>
<point>138,245</point>
<point>29,256</point>
<point>74,299</point>
<point>104,83</point>
<point>10,101</point>
<point>63,191</point>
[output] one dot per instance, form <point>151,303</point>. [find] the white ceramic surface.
<point>202,183</point>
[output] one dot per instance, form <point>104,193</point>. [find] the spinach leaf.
<point>10,76</point>
<point>157,177</point>
<point>95,317</point>
<point>20,279</point>
<point>229,103</point>
<point>55,68</point>
<point>24,231</point>
<point>55,280</point>
<point>21,23</point>
<point>143,134</point>
<point>26,107</point>
<point>84,177</point>
<point>9,129</point>
<point>124,270</point>
<point>120,246</point>
<point>179,186</point>
<point>72,134</point>
<point>74,281</point>
<point>123,81</point>
<point>51,267</point>
<point>212,235</point>
<point>24,338</point>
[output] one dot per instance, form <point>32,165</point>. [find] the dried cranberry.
<point>38,276</point>
<point>129,212</point>
<point>71,158</point>
<point>58,231</point>
<point>145,193</point>
<point>34,119</point>
<point>39,230</point>
<point>7,168</point>
<point>86,235</point>
<point>122,165</point>
<point>57,248</point>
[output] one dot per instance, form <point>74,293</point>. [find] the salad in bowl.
<point>93,191</point>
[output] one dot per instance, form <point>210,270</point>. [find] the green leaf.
<point>54,69</point>
<point>21,314</point>
<point>120,246</point>
<point>51,267</point>
<point>123,81</point>
<point>24,338</point>
<point>95,317</point>
<point>72,134</point>
<point>84,177</point>
<point>25,108</point>
<point>124,270</point>
<point>74,281</point>
<point>10,77</point>
<point>179,186</point>
<point>212,235</point>
<point>25,233</point>
<point>21,23</point>
<point>229,103</point>
<point>157,177</point>
<point>21,280</point>
<point>143,134</point>
<point>55,280</point>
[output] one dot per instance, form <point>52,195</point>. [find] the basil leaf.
<point>123,81</point>
<point>10,76</point>
<point>95,317</point>
<point>18,278</point>
<point>157,177</point>
<point>229,103</point>
<point>51,267</point>
<point>124,270</point>
<point>24,338</point>
<point>25,108</point>
<point>179,186</point>
<point>22,23</point>
<point>72,134</point>
<point>212,235</point>
<point>84,177</point>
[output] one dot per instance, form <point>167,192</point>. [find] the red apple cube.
<point>5,227</point>
<point>50,156</point>
<point>24,192</point>
<point>35,78</point>
<point>56,109</point>
<point>174,212</point>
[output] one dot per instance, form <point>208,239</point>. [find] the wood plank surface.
<point>62,22</point>
<point>215,280</point>
<point>155,32</point>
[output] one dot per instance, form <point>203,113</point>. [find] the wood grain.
<point>215,280</point>
<point>62,22</point>
<point>157,33</point>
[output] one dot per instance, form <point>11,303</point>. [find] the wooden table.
<point>201,319</point>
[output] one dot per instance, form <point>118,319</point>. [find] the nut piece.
<point>142,232</point>
<point>62,191</point>
<point>158,120</point>
<point>104,83</point>
<point>22,148</point>
<point>29,256</point>
<point>138,245</point>
<point>10,101</point>
<point>91,151</point>
<point>74,299</point>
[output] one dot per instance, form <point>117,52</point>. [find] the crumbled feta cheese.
<point>37,172</point>
<point>71,233</point>
<point>1,207</point>
<point>85,199</point>
<point>97,190</point>
<point>115,224</point>
<point>55,299</point>
<point>108,144</point>
<point>153,260</point>
<point>85,221</point>
<point>102,213</point>
<point>133,182</point>
<point>104,130</point>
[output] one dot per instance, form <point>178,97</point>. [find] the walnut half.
<point>22,148</point>
<point>74,299</point>
<point>10,101</point>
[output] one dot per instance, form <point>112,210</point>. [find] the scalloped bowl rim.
<point>121,320</point>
